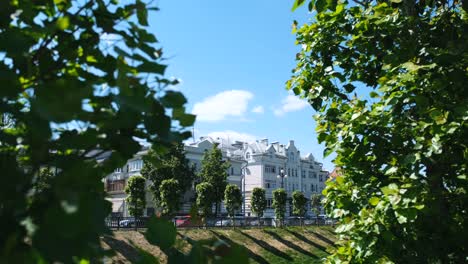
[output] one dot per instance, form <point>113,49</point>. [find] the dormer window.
<point>247,155</point>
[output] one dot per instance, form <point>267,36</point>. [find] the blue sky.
<point>233,58</point>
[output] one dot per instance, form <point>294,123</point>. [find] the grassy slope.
<point>269,245</point>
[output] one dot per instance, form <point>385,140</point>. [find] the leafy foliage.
<point>279,203</point>
<point>232,199</point>
<point>136,195</point>
<point>79,79</point>
<point>258,201</point>
<point>173,165</point>
<point>205,198</point>
<point>316,203</point>
<point>402,147</point>
<point>214,171</point>
<point>170,196</point>
<point>299,202</point>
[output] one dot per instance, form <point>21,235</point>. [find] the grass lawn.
<point>267,245</point>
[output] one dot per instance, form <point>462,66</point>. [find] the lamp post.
<point>243,185</point>
<point>282,176</point>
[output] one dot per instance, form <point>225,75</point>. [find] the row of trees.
<point>170,176</point>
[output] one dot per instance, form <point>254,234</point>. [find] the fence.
<point>218,222</point>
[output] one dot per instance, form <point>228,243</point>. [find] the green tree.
<point>136,195</point>
<point>205,193</point>
<point>299,202</point>
<point>280,198</point>
<point>171,165</point>
<point>79,79</point>
<point>316,203</point>
<point>388,79</point>
<point>214,171</point>
<point>232,199</point>
<point>169,196</point>
<point>258,202</point>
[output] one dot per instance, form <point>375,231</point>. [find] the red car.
<point>185,221</point>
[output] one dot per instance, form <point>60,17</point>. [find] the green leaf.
<point>173,99</point>
<point>374,201</point>
<point>161,233</point>
<point>152,67</point>
<point>320,5</point>
<point>142,13</point>
<point>297,3</point>
<point>439,117</point>
<point>63,23</point>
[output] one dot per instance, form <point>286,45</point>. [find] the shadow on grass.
<point>252,255</point>
<point>290,244</point>
<point>129,252</point>
<point>308,241</point>
<point>321,237</point>
<point>268,247</point>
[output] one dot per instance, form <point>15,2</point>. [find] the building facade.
<point>255,164</point>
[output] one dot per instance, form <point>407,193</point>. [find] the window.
<point>269,203</point>
<point>303,174</point>
<point>289,172</point>
<point>312,175</point>
<point>291,156</point>
<point>247,155</point>
<point>295,172</point>
<point>232,171</point>
<point>136,165</point>
<point>118,170</point>
<point>270,169</point>
<point>311,187</point>
<point>320,178</point>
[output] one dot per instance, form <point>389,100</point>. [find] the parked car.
<point>186,221</point>
<point>238,221</point>
<point>131,223</point>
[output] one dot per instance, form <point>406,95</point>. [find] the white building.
<point>259,163</point>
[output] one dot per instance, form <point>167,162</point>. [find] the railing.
<point>217,222</point>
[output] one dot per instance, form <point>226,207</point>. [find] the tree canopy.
<point>232,199</point>
<point>280,197</point>
<point>214,171</point>
<point>173,165</point>
<point>388,79</point>
<point>299,202</point>
<point>79,79</point>
<point>136,195</point>
<point>205,198</point>
<point>169,198</point>
<point>258,201</point>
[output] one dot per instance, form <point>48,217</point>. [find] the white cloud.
<point>232,136</point>
<point>222,105</point>
<point>291,103</point>
<point>258,109</point>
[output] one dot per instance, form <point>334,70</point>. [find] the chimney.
<point>265,141</point>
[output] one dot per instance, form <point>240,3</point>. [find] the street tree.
<point>280,198</point>
<point>388,82</point>
<point>258,202</point>
<point>136,195</point>
<point>169,199</point>
<point>205,200</point>
<point>173,165</point>
<point>232,200</point>
<point>299,202</point>
<point>316,203</point>
<point>214,171</point>
<point>80,79</point>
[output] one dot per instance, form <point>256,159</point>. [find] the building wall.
<point>259,162</point>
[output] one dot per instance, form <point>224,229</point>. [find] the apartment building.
<point>255,164</point>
